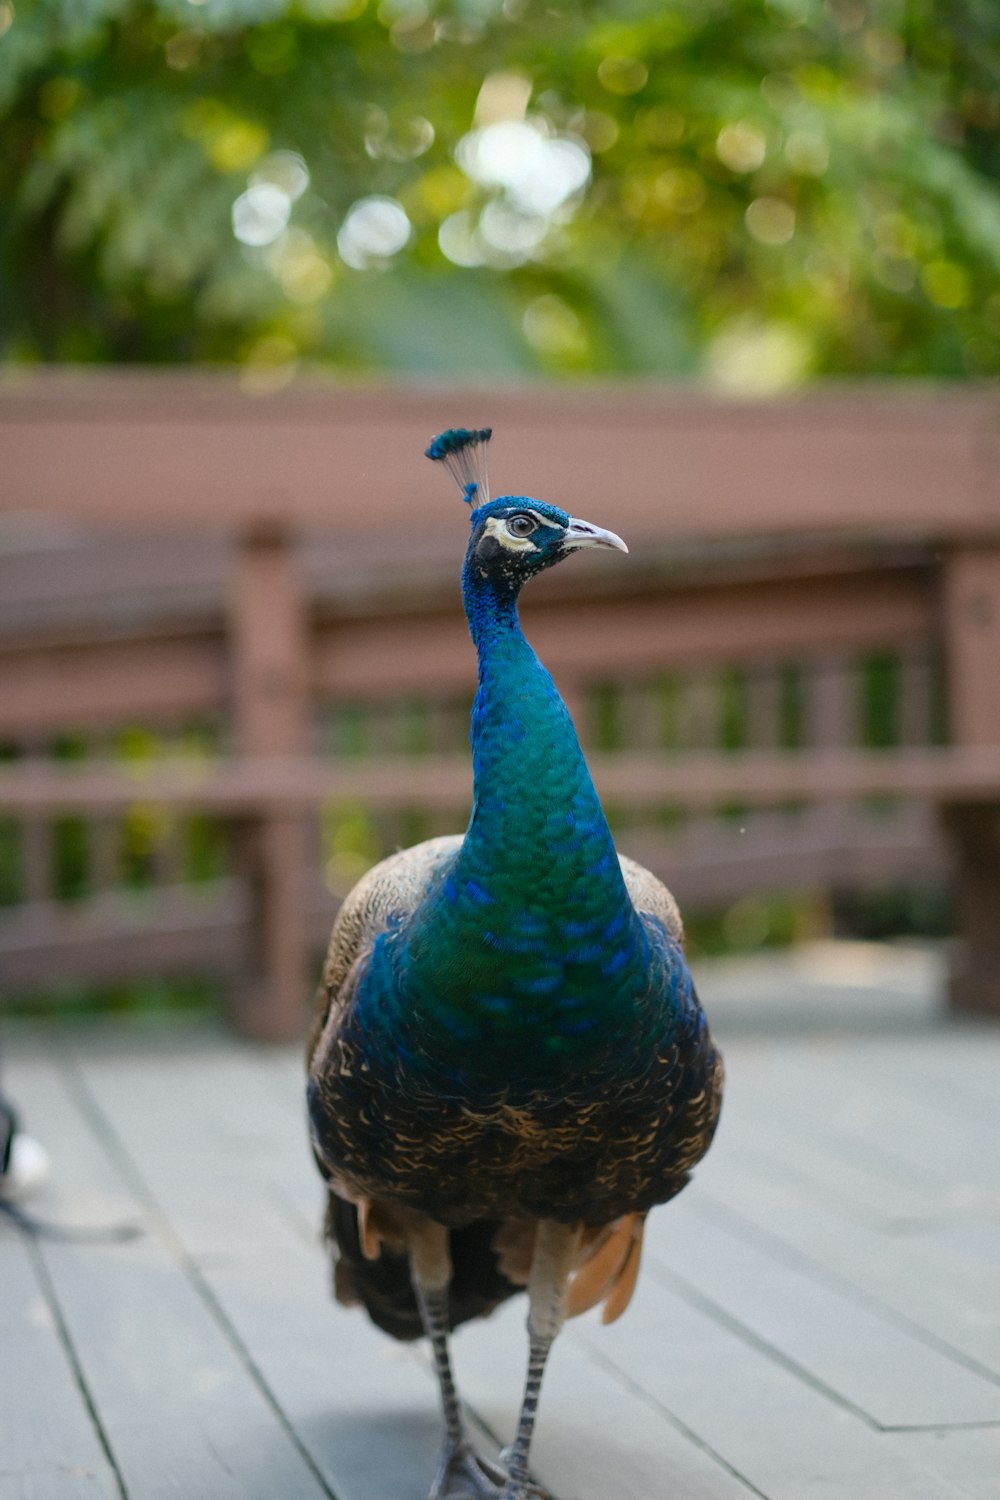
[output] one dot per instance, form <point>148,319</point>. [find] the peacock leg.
<point>462,1474</point>
<point>555,1253</point>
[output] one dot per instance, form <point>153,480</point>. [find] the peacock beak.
<point>583,534</point>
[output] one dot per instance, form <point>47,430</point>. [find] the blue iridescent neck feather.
<point>528,944</point>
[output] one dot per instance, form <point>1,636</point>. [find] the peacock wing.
<point>648,893</point>
<point>390,891</point>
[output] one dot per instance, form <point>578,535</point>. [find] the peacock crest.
<point>462,450</point>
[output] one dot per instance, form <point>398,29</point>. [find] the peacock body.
<point>510,1065</point>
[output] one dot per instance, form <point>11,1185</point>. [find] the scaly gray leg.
<point>462,1474</point>
<point>555,1252</point>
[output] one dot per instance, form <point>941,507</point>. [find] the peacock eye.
<point>521,525</point>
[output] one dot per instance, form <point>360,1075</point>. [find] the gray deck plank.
<point>827,1272</point>
<point>868,1191</point>
<point>961,1076</point>
<point>182,1413</point>
<point>343,1414</point>
<point>967,1457</point>
<point>597,1435</point>
<point>49,1447</point>
<point>363,1408</point>
<point>842,1085</point>
<point>632,1453</point>
<point>876,1367</point>
<point>945,1281</point>
<point>776,1435</point>
<point>782,1434</point>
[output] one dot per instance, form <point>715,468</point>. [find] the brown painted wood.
<point>658,460</point>
<point>624,636</point>
<point>972,644</point>
<point>974,833</point>
<point>809,530</point>
<point>270,716</point>
<point>113,938</point>
<point>251,786</point>
<point>53,687</point>
<point>185,933</point>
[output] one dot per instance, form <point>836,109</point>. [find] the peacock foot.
<point>519,1489</point>
<point>463,1475</point>
<point>525,1490</point>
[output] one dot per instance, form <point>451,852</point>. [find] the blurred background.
<point>724,276</point>
<point>753,192</point>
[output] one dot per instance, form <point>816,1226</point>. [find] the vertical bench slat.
<point>104,834</point>
<point>35,838</point>
<point>972,649</point>
<point>270,670</point>
<point>916,716</point>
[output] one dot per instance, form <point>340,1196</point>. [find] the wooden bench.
<point>791,683</point>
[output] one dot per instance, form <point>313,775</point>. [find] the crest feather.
<point>462,450</point>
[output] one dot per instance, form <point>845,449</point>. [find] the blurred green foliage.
<point>753,190</point>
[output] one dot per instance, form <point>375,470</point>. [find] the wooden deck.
<point>819,1317</point>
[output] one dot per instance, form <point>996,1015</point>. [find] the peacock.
<point>509,1065</point>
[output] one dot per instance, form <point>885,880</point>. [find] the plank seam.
<point>127,1167</point>
<point>51,1296</point>
<point>690,1293</point>
<point>610,1366</point>
<point>943,1427</point>
<point>711,1209</point>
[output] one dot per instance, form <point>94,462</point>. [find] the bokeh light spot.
<point>285,170</point>
<point>623,75</point>
<point>807,153</point>
<point>553,328</point>
<point>375,229</point>
<point>237,146</point>
<point>261,214</point>
<point>512,234</point>
<point>752,359</point>
<point>539,172</point>
<point>305,275</point>
<point>599,130</point>
<point>741,146</point>
<point>679,189</point>
<point>771,221</point>
<point>269,364</point>
<point>503,96</point>
<point>460,241</point>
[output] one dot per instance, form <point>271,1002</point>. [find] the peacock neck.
<point>526,959</point>
<point>532,932</point>
<point>536,816</point>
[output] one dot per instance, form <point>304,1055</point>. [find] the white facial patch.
<point>496,527</point>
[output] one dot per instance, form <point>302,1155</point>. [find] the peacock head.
<point>513,537</point>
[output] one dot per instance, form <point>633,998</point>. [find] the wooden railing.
<point>245,673</point>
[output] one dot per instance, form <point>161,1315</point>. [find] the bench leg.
<point>270,1003</point>
<point>974,833</point>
